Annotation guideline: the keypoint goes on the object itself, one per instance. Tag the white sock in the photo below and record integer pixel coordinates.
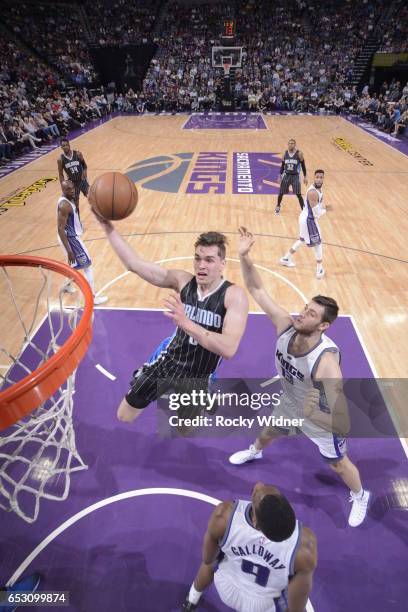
(89, 277)
(194, 595)
(359, 494)
(296, 245)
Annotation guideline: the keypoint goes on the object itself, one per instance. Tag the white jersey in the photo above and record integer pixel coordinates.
(313, 211)
(297, 372)
(309, 229)
(73, 226)
(255, 567)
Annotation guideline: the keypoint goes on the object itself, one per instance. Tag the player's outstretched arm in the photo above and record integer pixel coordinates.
(147, 270)
(226, 343)
(305, 564)
(279, 316)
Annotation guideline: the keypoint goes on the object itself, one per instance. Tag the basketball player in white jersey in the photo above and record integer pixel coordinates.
(69, 236)
(266, 557)
(308, 363)
(309, 230)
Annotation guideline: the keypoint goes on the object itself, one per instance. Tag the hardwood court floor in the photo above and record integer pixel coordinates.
(364, 235)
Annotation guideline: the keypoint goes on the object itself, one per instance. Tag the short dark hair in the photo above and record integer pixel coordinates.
(319, 170)
(64, 140)
(275, 517)
(331, 308)
(292, 140)
(213, 239)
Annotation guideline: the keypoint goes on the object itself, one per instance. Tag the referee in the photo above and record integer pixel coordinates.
(75, 168)
(292, 162)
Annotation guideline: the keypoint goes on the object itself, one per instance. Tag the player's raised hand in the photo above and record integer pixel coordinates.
(105, 223)
(246, 240)
(175, 309)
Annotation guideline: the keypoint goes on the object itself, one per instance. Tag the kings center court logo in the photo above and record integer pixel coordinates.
(209, 173)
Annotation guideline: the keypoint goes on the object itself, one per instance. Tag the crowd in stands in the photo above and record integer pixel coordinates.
(37, 106)
(181, 76)
(388, 110)
(56, 32)
(395, 36)
(120, 22)
(296, 57)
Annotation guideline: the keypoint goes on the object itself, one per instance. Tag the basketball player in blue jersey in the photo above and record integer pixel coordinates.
(210, 314)
(69, 236)
(308, 363)
(309, 229)
(73, 164)
(292, 162)
(266, 557)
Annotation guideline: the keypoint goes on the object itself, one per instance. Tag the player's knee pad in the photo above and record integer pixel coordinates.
(318, 251)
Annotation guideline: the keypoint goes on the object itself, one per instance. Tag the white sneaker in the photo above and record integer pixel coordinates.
(100, 299)
(358, 509)
(285, 261)
(249, 454)
(320, 273)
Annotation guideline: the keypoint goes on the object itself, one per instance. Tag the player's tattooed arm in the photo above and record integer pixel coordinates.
(305, 564)
(279, 316)
(216, 529)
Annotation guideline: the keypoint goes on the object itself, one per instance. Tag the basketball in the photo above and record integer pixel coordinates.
(113, 195)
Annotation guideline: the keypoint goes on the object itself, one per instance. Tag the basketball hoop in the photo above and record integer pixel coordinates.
(37, 438)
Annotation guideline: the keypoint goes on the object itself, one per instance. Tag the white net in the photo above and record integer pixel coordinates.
(38, 453)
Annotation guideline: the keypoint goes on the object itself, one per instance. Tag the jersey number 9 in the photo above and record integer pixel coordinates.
(260, 572)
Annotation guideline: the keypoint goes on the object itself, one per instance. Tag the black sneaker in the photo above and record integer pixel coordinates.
(277, 210)
(188, 606)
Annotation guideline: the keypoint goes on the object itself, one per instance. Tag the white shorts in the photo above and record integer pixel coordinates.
(309, 231)
(331, 446)
(240, 600)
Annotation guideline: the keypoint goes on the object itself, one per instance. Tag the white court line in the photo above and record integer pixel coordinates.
(181, 258)
(374, 370)
(266, 383)
(105, 372)
(185, 122)
(106, 502)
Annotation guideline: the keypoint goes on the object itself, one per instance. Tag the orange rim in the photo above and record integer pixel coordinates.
(24, 396)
